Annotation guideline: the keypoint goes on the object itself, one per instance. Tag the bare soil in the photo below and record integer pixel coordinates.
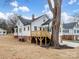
(11, 48)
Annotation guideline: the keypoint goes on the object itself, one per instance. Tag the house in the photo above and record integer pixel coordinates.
(47, 25)
(23, 28)
(70, 31)
(36, 24)
(3, 32)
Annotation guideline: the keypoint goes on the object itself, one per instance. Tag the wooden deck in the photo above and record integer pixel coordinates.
(41, 34)
(41, 37)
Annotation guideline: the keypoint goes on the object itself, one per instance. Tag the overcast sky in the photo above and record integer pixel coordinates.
(38, 7)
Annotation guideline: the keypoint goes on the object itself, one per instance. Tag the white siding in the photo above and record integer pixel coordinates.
(3, 32)
(38, 22)
(70, 32)
(26, 32)
(21, 30)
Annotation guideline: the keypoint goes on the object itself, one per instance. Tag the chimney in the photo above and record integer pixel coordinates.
(33, 17)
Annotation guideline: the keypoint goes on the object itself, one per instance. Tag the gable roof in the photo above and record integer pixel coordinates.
(40, 17)
(69, 25)
(25, 21)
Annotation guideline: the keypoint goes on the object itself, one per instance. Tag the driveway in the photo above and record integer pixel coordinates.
(70, 43)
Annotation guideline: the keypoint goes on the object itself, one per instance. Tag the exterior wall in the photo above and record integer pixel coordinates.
(22, 30)
(3, 32)
(38, 22)
(67, 33)
(15, 33)
(19, 25)
(26, 32)
(75, 30)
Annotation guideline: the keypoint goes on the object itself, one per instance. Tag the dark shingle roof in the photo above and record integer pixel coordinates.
(69, 25)
(40, 17)
(25, 21)
(47, 22)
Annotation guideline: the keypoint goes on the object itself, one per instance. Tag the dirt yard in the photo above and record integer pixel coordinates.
(11, 48)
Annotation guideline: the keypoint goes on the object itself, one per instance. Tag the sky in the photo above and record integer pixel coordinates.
(37, 7)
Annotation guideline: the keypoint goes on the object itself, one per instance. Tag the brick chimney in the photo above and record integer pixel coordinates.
(33, 17)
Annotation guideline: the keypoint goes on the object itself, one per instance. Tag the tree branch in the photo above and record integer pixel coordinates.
(50, 6)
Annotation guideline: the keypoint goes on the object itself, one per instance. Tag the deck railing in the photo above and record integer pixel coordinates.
(41, 34)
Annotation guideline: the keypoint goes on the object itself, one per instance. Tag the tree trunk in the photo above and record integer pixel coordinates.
(55, 22)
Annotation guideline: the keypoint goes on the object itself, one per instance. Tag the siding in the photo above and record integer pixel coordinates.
(38, 22)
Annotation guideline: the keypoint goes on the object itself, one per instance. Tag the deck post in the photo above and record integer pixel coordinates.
(45, 41)
(30, 39)
(40, 41)
(36, 40)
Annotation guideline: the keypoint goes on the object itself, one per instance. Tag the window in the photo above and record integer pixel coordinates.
(40, 28)
(24, 28)
(35, 27)
(28, 28)
(66, 31)
(20, 30)
(43, 29)
(77, 31)
(16, 30)
(74, 31)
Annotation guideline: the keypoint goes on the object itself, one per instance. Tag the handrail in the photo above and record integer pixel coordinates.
(41, 34)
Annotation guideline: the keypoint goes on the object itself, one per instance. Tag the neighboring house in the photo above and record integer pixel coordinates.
(70, 31)
(3, 32)
(22, 28)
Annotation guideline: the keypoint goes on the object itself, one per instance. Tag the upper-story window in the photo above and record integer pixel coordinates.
(77, 31)
(74, 31)
(28, 28)
(24, 28)
(35, 27)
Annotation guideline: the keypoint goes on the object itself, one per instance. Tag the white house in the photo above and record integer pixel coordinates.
(36, 24)
(70, 30)
(3, 32)
(22, 28)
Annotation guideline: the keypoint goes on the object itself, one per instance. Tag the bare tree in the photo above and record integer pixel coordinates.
(56, 13)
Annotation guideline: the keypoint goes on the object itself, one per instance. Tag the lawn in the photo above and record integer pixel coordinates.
(11, 48)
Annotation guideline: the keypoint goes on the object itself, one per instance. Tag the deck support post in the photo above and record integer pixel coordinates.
(40, 41)
(36, 40)
(30, 39)
(45, 41)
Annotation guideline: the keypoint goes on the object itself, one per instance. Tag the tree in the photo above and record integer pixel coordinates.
(56, 13)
